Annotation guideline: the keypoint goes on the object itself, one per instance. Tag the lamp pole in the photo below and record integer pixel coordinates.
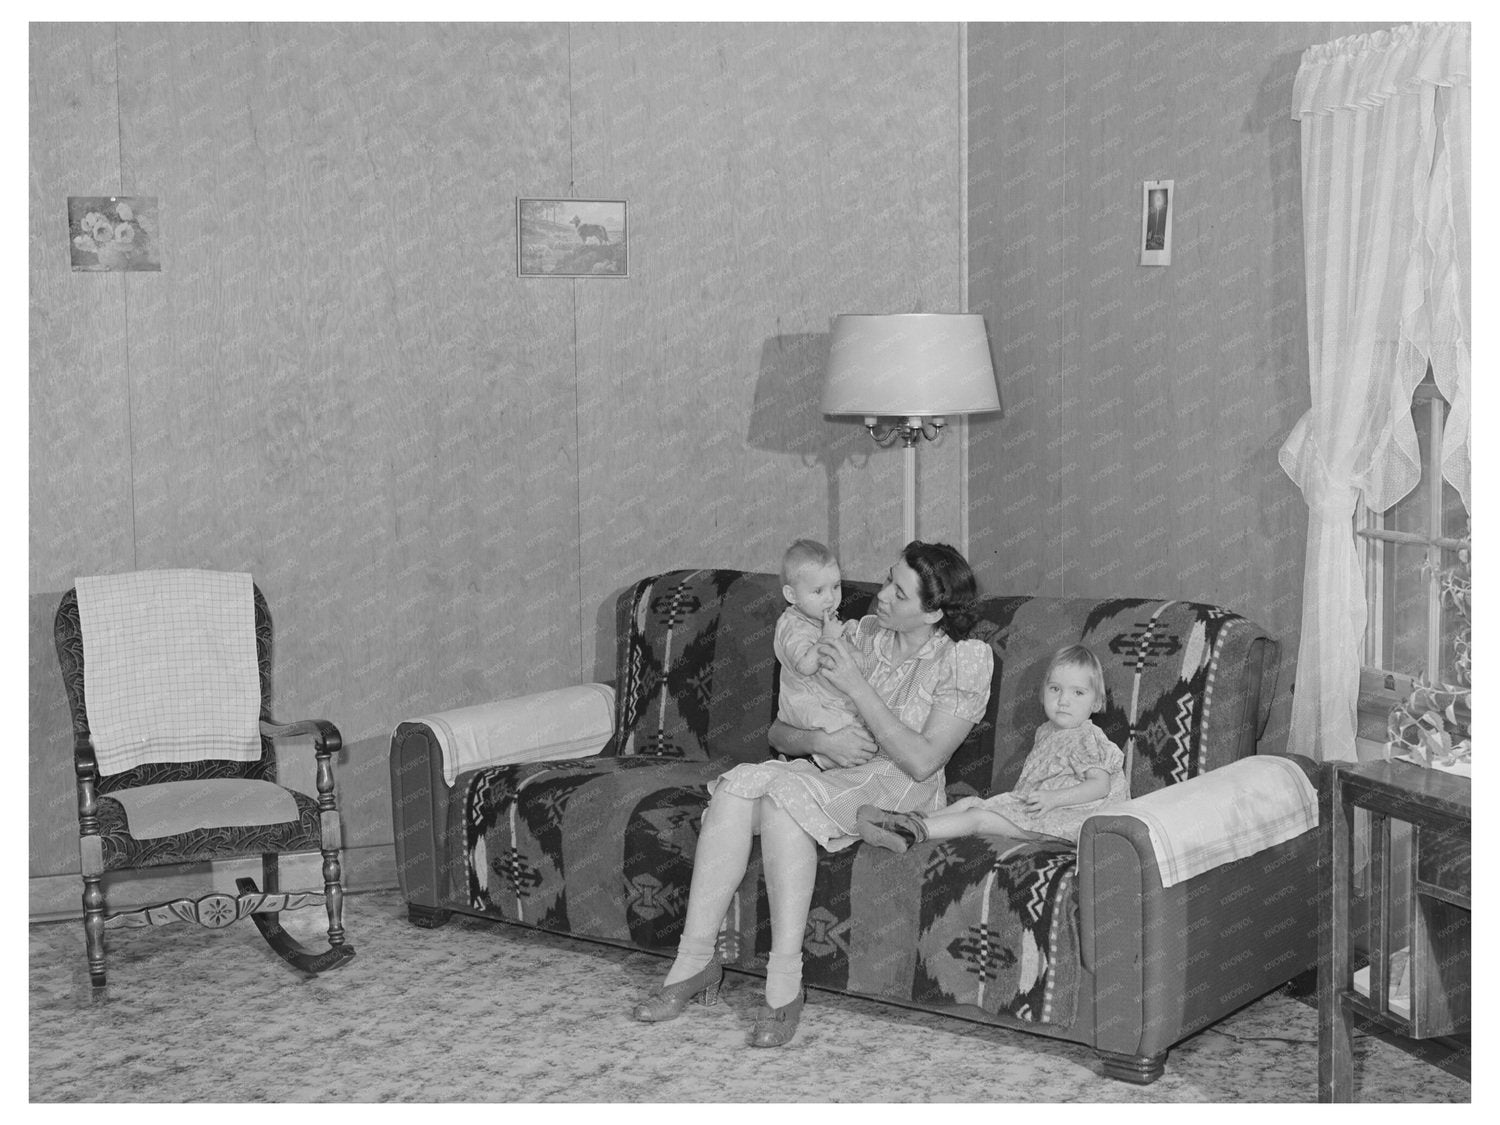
(909, 492)
(910, 430)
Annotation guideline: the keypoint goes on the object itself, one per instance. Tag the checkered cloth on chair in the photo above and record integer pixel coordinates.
(170, 670)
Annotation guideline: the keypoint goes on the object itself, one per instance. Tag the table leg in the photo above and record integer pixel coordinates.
(1335, 1030)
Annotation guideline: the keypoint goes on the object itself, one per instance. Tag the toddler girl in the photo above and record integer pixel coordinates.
(1071, 771)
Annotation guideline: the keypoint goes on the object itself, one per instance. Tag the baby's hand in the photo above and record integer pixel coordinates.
(822, 763)
(832, 626)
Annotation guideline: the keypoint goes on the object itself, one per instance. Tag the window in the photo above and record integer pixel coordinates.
(1414, 633)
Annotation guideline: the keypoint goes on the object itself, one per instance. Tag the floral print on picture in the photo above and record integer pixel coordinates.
(113, 233)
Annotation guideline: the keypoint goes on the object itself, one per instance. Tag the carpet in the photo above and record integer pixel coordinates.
(485, 1012)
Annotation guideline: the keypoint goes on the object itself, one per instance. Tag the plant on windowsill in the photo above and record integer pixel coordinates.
(1432, 724)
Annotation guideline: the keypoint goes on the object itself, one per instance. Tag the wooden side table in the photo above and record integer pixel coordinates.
(1437, 806)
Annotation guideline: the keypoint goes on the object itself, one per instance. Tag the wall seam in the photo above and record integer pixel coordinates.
(135, 560)
(584, 674)
(1062, 359)
(963, 270)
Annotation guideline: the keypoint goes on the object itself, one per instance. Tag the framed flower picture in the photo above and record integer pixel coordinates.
(572, 238)
(113, 233)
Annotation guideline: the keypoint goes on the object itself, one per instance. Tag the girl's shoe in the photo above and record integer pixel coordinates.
(667, 1001)
(894, 831)
(774, 1027)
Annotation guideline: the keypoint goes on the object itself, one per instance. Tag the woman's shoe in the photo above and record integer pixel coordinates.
(894, 831)
(775, 1027)
(667, 1001)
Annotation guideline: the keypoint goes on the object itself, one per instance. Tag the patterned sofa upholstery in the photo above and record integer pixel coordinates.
(1084, 945)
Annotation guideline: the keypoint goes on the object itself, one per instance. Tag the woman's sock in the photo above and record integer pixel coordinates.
(783, 978)
(692, 958)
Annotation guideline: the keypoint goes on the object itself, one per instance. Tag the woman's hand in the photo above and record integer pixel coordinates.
(851, 746)
(838, 666)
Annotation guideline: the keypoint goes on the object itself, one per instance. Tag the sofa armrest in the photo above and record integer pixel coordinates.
(566, 723)
(1229, 813)
(571, 722)
(1168, 961)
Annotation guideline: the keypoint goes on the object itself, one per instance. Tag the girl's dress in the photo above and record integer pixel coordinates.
(1058, 759)
(948, 675)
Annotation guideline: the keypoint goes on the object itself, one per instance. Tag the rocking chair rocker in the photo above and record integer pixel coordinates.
(171, 793)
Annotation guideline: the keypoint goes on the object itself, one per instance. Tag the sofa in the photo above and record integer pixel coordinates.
(576, 811)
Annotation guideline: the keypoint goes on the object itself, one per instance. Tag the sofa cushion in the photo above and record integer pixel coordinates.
(976, 921)
(698, 677)
(603, 848)
(1163, 697)
(697, 674)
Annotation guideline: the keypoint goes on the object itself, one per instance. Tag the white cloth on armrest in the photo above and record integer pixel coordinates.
(565, 723)
(1224, 815)
(169, 667)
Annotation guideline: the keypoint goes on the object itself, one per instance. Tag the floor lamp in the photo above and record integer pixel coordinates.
(915, 370)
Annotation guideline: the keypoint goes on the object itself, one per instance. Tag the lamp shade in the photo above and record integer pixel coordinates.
(909, 365)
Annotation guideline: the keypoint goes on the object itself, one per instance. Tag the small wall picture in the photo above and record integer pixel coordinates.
(113, 233)
(572, 238)
(1156, 222)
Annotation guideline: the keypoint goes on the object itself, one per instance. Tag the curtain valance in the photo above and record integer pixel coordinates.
(1364, 70)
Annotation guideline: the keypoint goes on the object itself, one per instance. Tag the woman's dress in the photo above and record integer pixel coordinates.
(948, 675)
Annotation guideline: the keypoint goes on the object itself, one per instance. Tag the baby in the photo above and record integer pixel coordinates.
(1071, 771)
(813, 587)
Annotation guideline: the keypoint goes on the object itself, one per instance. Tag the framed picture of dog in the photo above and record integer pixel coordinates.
(572, 238)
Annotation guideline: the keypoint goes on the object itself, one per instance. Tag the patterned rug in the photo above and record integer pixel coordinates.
(485, 1012)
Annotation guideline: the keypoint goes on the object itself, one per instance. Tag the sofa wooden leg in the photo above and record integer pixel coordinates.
(1142, 1070)
(427, 917)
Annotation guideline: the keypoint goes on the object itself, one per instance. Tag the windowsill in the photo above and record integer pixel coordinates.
(1379, 694)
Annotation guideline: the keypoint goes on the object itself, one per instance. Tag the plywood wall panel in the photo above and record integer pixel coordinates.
(1017, 240)
(80, 480)
(777, 176)
(80, 491)
(337, 382)
(1174, 386)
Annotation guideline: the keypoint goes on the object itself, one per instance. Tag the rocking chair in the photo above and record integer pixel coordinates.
(185, 779)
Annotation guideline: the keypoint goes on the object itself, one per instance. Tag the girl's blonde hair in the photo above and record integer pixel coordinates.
(1079, 656)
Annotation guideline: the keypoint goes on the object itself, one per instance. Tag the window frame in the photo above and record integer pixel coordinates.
(1382, 688)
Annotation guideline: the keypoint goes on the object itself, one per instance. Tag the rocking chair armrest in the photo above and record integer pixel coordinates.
(85, 764)
(328, 738)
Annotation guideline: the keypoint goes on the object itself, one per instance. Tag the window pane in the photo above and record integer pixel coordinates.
(1454, 623)
(1413, 512)
(1455, 516)
(1406, 594)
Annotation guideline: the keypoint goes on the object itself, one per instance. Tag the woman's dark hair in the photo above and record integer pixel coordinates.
(946, 582)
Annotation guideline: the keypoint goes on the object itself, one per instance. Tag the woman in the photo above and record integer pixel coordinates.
(927, 686)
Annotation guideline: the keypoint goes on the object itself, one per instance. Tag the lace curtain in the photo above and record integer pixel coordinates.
(1385, 199)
